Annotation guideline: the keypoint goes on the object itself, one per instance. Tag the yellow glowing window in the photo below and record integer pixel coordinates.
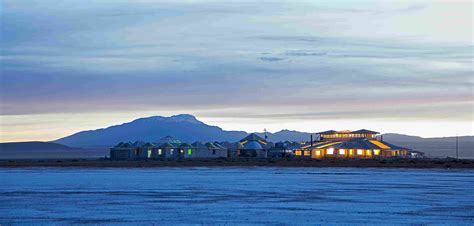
(318, 152)
(394, 153)
(379, 144)
(369, 153)
(359, 151)
(330, 151)
(351, 152)
(342, 151)
(376, 152)
(298, 153)
(307, 153)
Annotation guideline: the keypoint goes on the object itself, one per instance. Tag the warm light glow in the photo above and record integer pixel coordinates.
(379, 144)
(342, 151)
(307, 153)
(359, 151)
(298, 153)
(369, 153)
(351, 152)
(330, 151)
(376, 152)
(318, 153)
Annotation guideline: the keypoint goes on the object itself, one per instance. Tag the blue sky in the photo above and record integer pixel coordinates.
(392, 66)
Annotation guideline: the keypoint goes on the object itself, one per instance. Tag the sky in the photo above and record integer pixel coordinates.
(390, 66)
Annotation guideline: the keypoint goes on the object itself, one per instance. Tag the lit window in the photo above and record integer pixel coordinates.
(298, 153)
(376, 152)
(181, 151)
(307, 153)
(159, 151)
(318, 153)
(351, 152)
(359, 151)
(330, 151)
(342, 151)
(149, 153)
(190, 152)
(369, 153)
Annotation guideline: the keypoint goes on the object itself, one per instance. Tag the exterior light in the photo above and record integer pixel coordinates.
(330, 151)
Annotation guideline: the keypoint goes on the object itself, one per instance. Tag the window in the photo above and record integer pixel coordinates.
(330, 151)
(149, 153)
(318, 153)
(342, 151)
(159, 151)
(351, 152)
(181, 151)
(298, 153)
(376, 152)
(190, 152)
(171, 151)
(369, 153)
(213, 152)
(359, 151)
(307, 153)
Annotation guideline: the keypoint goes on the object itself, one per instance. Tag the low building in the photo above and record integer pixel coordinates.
(254, 146)
(348, 144)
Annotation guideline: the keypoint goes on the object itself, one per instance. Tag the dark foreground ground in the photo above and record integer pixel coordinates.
(385, 163)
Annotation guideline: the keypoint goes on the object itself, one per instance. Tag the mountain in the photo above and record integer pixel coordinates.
(46, 150)
(32, 146)
(289, 135)
(184, 127)
(188, 129)
(436, 147)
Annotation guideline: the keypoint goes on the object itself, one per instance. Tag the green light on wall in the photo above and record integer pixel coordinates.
(190, 152)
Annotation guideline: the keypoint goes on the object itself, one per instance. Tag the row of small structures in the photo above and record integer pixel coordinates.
(339, 144)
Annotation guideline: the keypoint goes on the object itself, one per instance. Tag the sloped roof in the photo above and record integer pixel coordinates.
(217, 144)
(199, 144)
(253, 145)
(138, 143)
(252, 137)
(148, 145)
(166, 145)
(186, 145)
(366, 131)
(327, 132)
(211, 146)
(168, 139)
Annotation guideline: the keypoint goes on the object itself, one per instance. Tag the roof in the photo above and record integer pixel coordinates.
(357, 143)
(327, 132)
(168, 139)
(252, 137)
(198, 144)
(365, 131)
(138, 144)
(253, 145)
(217, 144)
(211, 146)
(148, 145)
(186, 145)
(166, 145)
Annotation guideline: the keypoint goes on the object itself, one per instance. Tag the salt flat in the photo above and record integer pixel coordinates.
(239, 195)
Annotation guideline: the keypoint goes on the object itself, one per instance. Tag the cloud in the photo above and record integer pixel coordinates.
(271, 59)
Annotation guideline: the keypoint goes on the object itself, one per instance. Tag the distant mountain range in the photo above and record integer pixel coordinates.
(188, 129)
